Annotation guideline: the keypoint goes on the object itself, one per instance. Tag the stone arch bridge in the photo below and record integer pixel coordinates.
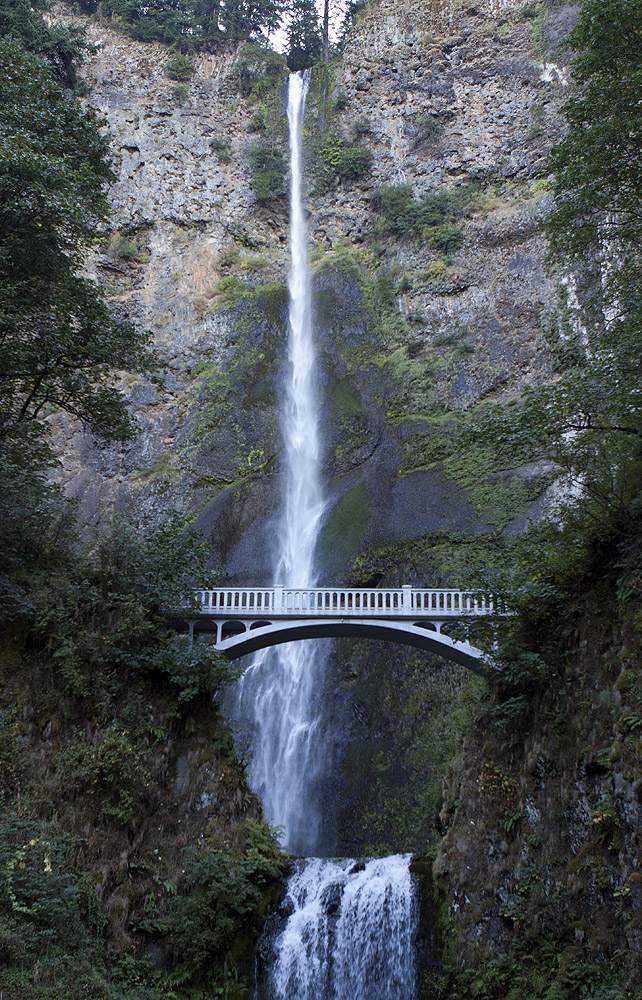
(245, 620)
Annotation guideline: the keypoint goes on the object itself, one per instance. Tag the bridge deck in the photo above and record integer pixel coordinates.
(280, 602)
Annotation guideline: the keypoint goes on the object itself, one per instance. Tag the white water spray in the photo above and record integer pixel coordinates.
(279, 693)
(351, 932)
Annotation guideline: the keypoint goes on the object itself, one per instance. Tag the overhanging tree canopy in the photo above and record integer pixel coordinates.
(590, 417)
(59, 344)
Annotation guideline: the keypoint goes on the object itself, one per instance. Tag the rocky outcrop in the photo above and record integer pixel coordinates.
(542, 816)
(446, 96)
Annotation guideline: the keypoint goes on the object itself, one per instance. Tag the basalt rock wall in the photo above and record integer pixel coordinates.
(447, 98)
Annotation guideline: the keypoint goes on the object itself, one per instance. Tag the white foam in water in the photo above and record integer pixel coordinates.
(351, 934)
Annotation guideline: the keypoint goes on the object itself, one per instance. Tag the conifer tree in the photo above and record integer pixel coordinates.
(304, 35)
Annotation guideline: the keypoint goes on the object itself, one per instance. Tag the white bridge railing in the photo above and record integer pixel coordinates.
(281, 602)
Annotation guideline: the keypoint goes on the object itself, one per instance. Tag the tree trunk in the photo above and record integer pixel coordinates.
(326, 31)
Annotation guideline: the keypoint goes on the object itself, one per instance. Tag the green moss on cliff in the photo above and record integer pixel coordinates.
(499, 496)
(543, 807)
(409, 712)
(233, 414)
(346, 524)
(133, 857)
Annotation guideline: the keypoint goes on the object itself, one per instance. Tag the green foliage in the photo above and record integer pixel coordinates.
(589, 420)
(258, 70)
(258, 122)
(180, 67)
(59, 47)
(434, 215)
(35, 521)
(111, 774)
(60, 343)
(222, 149)
(222, 896)
(38, 892)
(446, 237)
(303, 35)
(131, 248)
(268, 172)
(114, 609)
(190, 25)
(180, 94)
(547, 972)
(341, 101)
(101, 654)
(9, 751)
(349, 161)
(429, 129)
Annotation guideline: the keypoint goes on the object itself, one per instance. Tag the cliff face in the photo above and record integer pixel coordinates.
(416, 325)
(412, 331)
(415, 328)
(538, 871)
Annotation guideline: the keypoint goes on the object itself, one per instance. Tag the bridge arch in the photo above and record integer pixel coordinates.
(418, 636)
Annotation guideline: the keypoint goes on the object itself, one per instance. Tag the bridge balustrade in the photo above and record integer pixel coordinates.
(401, 602)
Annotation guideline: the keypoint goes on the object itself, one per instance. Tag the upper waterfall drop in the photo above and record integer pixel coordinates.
(279, 694)
(304, 505)
(351, 926)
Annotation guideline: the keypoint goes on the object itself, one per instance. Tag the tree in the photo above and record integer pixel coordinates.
(244, 18)
(304, 36)
(590, 417)
(61, 48)
(195, 24)
(338, 16)
(59, 344)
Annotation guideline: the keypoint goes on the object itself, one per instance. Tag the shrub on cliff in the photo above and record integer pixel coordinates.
(434, 214)
(268, 172)
(348, 161)
(180, 67)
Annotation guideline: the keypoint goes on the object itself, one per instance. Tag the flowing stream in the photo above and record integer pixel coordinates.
(347, 928)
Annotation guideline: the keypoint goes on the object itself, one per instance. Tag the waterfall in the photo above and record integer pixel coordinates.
(349, 934)
(279, 693)
(349, 926)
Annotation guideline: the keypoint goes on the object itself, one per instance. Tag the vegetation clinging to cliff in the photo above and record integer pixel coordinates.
(550, 780)
(60, 343)
(111, 742)
(590, 419)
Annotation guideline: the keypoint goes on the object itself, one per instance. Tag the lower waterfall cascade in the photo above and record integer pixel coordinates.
(347, 927)
(349, 934)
